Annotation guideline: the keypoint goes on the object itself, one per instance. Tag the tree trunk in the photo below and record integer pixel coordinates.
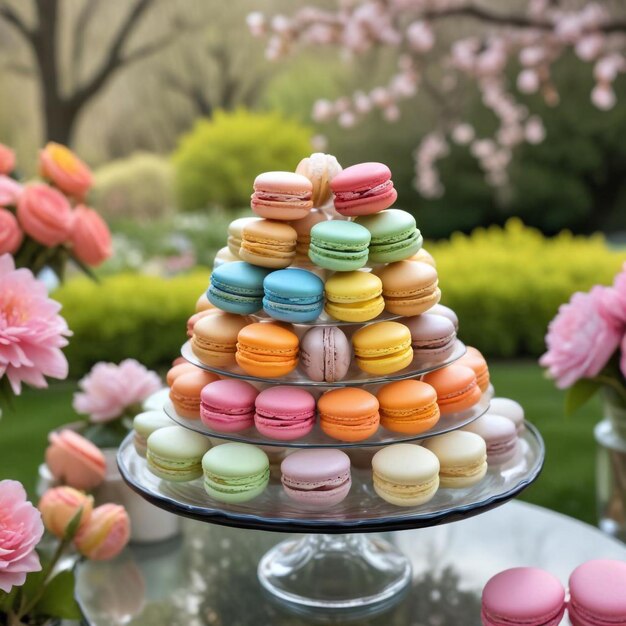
(59, 120)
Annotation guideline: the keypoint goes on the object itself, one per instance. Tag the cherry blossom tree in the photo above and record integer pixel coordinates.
(432, 63)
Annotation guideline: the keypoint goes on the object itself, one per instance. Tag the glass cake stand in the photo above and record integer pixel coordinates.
(336, 565)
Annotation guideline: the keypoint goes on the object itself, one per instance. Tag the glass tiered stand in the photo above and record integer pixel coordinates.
(335, 565)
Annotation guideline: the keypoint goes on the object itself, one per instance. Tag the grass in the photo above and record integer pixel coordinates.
(566, 485)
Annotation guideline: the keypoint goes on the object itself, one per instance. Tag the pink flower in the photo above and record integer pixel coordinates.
(7, 159)
(10, 233)
(91, 237)
(32, 332)
(109, 389)
(45, 214)
(10, 191)
(614, 300)
(581, 339)
(21, 529)
(60, 165)
(105, 534)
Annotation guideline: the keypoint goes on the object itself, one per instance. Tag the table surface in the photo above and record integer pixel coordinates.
(208, 575)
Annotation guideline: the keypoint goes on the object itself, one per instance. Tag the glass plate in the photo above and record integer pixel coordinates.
(318, 439)
(361, 511)
(326, 320)
(354, 376)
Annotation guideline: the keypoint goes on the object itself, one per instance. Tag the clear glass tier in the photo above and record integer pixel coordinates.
(318, 439)
(326, 320)
(361, 511)
(354, 377)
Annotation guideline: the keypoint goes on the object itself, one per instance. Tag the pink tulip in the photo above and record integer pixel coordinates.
(63, 168)
(10, 233)
(45, 214)
(581, 339)
(91, 237)
(20, 531)
(75, 461)
(60, 505)
(10, 191)
(106, 533)
(7, 159)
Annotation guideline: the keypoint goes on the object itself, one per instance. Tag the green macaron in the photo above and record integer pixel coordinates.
(235, 472)
(175, 453)
(394, 234)
(339, 245)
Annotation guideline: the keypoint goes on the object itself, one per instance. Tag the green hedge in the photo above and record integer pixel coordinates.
(504, 283)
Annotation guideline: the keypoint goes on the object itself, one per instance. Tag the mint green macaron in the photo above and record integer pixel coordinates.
(144, 425)
(175, 453)
(235, 472)
(339, 245)
(394, 234)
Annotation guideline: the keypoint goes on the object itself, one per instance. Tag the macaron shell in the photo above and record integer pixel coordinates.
(598, 593)
(383, 348)
(175, 453)
(348, 414)
(237, 287)
(368, 205)
(282, 196)
(475, 360)
(523, 595)
(267, 350)
(303, 229)
(456, 386)
(325, 354)
(284, 413)
(408, 406)
(339, 246)
(432, 336)
(500, 436)
(363, 189)
(185, 392)
(462, 457)
(268, 243)
(228, 405)
(405, 474)
(178, 370)
(409, 288)
(510, 409)
(293, 295)
(235, 230)
(444, 311)
(214, 339)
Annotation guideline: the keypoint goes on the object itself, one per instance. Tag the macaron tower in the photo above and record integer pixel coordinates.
(321, 334)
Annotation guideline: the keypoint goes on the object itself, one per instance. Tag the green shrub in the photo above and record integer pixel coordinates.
(219, 159)
(504, 283)
(128, 315)
(507, 283)
(139, 187)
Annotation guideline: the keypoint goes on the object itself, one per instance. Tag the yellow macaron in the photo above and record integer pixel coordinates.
(383, 348)
(354, 296)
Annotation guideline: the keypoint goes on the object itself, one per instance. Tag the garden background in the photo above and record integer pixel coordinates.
(176, 109)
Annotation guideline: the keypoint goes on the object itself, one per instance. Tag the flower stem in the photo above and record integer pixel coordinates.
(613, 383)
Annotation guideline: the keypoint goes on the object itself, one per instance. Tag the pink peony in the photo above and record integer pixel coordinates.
(11, 235)
(109, 389)
(10, 191)
(581, 339)
(32, 332)
(7, 159)
(21, 529)
(614, 300)
(45, 214)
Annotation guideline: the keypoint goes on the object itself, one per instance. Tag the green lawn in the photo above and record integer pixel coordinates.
(566, 485)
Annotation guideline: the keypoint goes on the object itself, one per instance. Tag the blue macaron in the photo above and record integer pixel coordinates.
(237, 287)
(293, 295)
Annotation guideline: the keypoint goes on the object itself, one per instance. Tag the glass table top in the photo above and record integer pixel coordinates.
(207, 576)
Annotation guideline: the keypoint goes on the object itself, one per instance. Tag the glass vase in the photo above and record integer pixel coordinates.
(610, 436)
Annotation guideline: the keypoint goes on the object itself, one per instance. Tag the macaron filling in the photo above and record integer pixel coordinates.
(393, 243)
(374, 354)
(187, 403)
(404, 491)
(329, 484)
(266, 247)
(338, 250)
(453, 396)
(498, 449)
(175, 468)
(272, 196)
(408, 414)
(233, 485)
(207, 345)
(367, 192)
(470, 470)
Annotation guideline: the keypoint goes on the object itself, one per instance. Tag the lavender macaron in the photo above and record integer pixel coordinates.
(510, 409)
(433, 336)
(325, 354)
(318, 477)
(500, 437)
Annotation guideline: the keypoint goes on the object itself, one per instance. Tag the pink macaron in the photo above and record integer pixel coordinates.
(523, 596)
(282, 196)
(433, 337)
(284, 413)
(598, 594)
(500, 437)
(363, 189)
(317, 476)
(227, 406)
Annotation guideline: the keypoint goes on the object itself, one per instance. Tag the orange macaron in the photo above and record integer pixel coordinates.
(408, 406)
(476, 361)
(178, 370)
(267, 350)
(214, 339)
(185, 392)
(456, 387)
(349, 414)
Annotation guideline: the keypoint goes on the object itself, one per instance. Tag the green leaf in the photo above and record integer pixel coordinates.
(72, 527)
(7, 599)
(57, 599)
(579, 394)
